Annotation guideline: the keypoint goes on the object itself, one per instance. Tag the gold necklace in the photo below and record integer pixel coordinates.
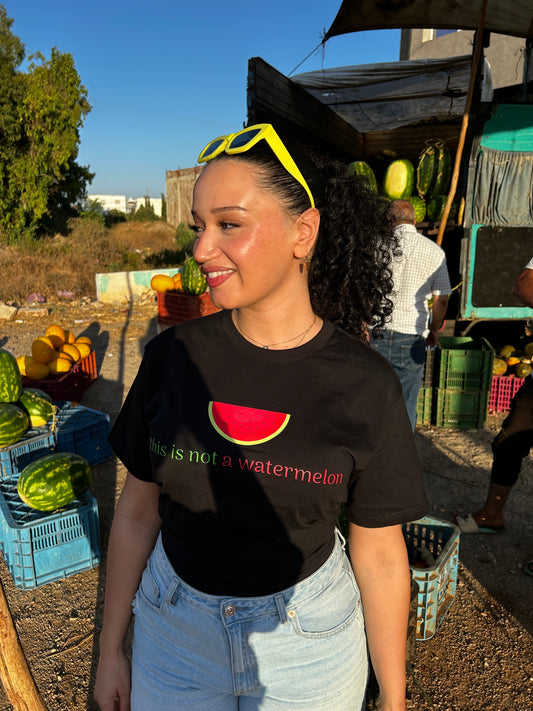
(266, 347)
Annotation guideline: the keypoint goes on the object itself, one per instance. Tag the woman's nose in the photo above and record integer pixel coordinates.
(204, 246)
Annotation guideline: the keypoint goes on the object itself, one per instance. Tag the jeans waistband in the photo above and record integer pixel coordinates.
(273, 603)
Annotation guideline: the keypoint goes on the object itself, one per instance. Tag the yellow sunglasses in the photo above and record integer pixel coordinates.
(247, 138)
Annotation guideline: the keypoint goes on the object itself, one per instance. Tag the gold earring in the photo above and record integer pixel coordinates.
(307, 261)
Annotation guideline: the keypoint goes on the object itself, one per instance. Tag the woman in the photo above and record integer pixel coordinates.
(243, 434)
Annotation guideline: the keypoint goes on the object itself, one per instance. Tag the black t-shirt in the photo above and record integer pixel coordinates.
(255, 450)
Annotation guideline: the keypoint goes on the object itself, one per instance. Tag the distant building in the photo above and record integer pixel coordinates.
(127, 205)
(110, 202)
(179, 187)
(504, 54)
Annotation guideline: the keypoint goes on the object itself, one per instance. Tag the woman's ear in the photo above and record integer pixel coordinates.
(307, 226)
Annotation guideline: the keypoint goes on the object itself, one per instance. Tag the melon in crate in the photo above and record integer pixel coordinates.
(53, 481)
(192, 280)
(399, 179)
(359, 167)
(14, 423)
(10, 379)
(419, 207)
(39, 406)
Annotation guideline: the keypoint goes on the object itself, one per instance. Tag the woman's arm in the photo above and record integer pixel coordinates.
(134, 531)
(381, 567)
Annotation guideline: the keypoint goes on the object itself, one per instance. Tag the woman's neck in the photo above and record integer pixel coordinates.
(275, 332)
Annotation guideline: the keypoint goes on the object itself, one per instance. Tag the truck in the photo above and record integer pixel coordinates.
(491, 240)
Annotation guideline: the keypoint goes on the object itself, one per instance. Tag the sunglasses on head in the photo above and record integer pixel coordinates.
(247, 138)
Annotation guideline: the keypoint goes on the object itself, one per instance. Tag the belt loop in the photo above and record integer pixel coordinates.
(282, 611)
(172, 592)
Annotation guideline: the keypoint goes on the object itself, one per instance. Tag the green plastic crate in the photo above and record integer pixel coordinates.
(424, 406)
(462, 409)
(463, 364)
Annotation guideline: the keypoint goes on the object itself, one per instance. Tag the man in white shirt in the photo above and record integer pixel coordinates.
(419, 274)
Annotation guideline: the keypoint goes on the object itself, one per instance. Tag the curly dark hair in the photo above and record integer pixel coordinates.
(349, 276)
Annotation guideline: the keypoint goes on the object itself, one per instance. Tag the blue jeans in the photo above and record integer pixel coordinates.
(407, 353)
(302, 648)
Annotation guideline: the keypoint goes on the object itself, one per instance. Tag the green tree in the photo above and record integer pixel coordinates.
(163, 207)
(144, 213)
(41, 112)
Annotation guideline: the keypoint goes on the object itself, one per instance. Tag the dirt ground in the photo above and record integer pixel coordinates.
(481, 657)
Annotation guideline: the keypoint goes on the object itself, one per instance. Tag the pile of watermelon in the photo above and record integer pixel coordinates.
(54, 480)
(425, 186)
(513, 361)
(20, 408)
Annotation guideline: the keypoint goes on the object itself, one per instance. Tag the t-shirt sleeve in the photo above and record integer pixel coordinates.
(387, 487)
(441, 280)
(129, 436)
(529, 265)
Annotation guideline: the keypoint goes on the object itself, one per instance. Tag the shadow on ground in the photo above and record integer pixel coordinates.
(456, 467)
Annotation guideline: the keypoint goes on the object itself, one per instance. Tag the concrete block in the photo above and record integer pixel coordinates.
(7, 312)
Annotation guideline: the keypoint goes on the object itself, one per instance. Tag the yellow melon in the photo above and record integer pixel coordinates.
(69, 336)
(162, 283)
(42, 349)
(37, 371)
(71, 350)
(56, 334)
(61, 364)
(22, 362)
(83, 348)
(83, 339)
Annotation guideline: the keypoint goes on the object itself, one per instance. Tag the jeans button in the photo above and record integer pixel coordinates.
(230, 610)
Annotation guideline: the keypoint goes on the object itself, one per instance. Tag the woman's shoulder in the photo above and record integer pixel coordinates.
(369, 363)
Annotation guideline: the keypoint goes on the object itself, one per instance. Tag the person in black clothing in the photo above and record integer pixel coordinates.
(244, 433)
(511, 445)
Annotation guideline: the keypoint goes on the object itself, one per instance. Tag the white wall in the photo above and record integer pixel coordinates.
(110, 202)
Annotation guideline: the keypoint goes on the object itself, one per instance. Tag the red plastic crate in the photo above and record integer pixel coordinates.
(67, 386)
(503, 389)
(88, 370)
(174, 307)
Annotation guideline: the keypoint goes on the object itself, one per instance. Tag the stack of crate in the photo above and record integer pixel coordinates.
(460, 372)
(40, 547)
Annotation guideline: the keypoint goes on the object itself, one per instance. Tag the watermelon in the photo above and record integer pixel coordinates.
(443, 171)
(499, 366)
(246, 425)
(192, 280)
(420, 207)
(14, 423)
(436, 208)
(426, 170)
(359, 167)
(54, 480)
(10, 378)
(399, 179)
(39, 406)
(522, 370)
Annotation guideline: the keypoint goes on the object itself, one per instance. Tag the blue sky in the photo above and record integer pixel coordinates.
(163, 77)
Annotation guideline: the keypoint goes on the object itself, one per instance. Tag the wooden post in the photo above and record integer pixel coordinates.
(466, 115)
(14, 671)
